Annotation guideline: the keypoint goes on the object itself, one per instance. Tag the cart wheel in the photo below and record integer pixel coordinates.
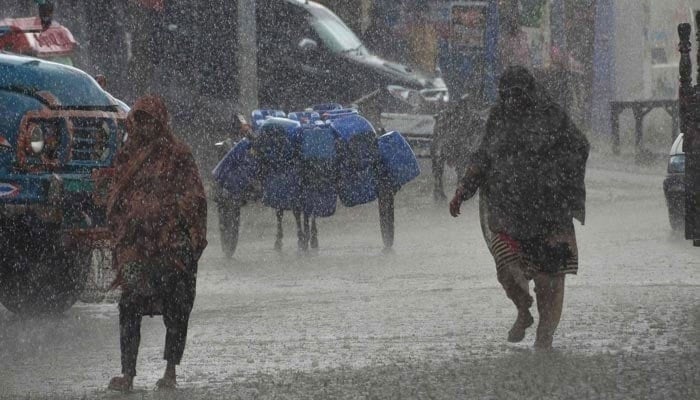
(229, 225)
(386, 214)
(437, 161)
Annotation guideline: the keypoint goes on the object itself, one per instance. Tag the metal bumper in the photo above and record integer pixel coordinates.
(674, 186)
(72, 203)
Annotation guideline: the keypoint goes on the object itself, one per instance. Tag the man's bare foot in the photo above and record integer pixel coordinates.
(524, 321)
(166, 383)
(543, 344)
(169, 379)
(121, 383)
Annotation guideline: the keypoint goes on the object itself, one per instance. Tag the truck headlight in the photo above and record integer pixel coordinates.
(676, 164)
(433, 95)
(37, 140)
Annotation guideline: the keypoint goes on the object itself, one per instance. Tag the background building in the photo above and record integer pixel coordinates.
(203, 53)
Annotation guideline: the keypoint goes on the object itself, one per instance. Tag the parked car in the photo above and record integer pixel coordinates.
(59, 133)
(308, 55)
(674, 185)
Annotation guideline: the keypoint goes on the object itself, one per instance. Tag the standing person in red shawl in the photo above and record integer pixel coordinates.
(157, 213)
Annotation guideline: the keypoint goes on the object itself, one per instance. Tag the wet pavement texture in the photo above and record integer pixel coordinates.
(426, 321)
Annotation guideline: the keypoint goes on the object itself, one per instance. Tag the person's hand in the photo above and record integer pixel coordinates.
(456, 203)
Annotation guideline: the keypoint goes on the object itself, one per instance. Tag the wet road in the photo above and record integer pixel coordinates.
(428, 321)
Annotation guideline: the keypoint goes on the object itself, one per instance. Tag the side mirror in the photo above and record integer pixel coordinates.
(307, 45)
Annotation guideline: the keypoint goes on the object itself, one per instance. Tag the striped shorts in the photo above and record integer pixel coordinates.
(510, 253)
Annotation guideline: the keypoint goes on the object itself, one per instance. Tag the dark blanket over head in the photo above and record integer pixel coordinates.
(530, 164)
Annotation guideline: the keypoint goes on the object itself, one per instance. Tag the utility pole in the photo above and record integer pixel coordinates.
(247, 57)
(603, 66)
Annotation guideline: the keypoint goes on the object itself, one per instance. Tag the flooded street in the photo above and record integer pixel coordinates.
(427, 321)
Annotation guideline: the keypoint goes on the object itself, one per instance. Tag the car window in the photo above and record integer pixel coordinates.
(281, 27)
(71, 87)
(335, 34)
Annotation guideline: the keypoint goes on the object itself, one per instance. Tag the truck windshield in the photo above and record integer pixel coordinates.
(334, 33)
(65, 60)
(71, 87)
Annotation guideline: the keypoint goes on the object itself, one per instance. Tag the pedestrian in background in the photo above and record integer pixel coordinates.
(529, 169)
(157, 213)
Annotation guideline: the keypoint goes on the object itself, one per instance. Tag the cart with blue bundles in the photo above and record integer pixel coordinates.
(305, 161)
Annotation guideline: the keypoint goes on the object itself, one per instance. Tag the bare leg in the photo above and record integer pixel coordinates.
(314, 233)
(549, 290)
(510, 276)
(280, 234)
(517, 289)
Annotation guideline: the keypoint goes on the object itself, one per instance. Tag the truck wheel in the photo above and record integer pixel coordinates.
(229, 225)
(39, 276)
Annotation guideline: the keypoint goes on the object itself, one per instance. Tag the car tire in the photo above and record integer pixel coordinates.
(676, 217)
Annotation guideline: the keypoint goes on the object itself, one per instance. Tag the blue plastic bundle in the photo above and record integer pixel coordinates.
(326, 107)
(258, 117)
(318, 158)
(398, 159)
(305, 117)
(337, 114)
(358, 160)
(277, 146)
(237, 170)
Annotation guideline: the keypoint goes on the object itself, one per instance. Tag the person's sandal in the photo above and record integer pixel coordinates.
(524, 321)
(166, 384)
(121, 384)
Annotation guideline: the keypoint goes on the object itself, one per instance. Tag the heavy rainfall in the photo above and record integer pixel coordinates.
(334, 199)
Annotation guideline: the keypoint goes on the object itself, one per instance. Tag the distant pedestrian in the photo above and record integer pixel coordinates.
(529, 169)
(157, 213)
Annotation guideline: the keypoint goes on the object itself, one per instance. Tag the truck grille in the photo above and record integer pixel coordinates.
(93, 140)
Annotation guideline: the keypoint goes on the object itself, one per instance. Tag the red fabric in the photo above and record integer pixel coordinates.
(157, 5)
(156, 205)
(513, 245)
